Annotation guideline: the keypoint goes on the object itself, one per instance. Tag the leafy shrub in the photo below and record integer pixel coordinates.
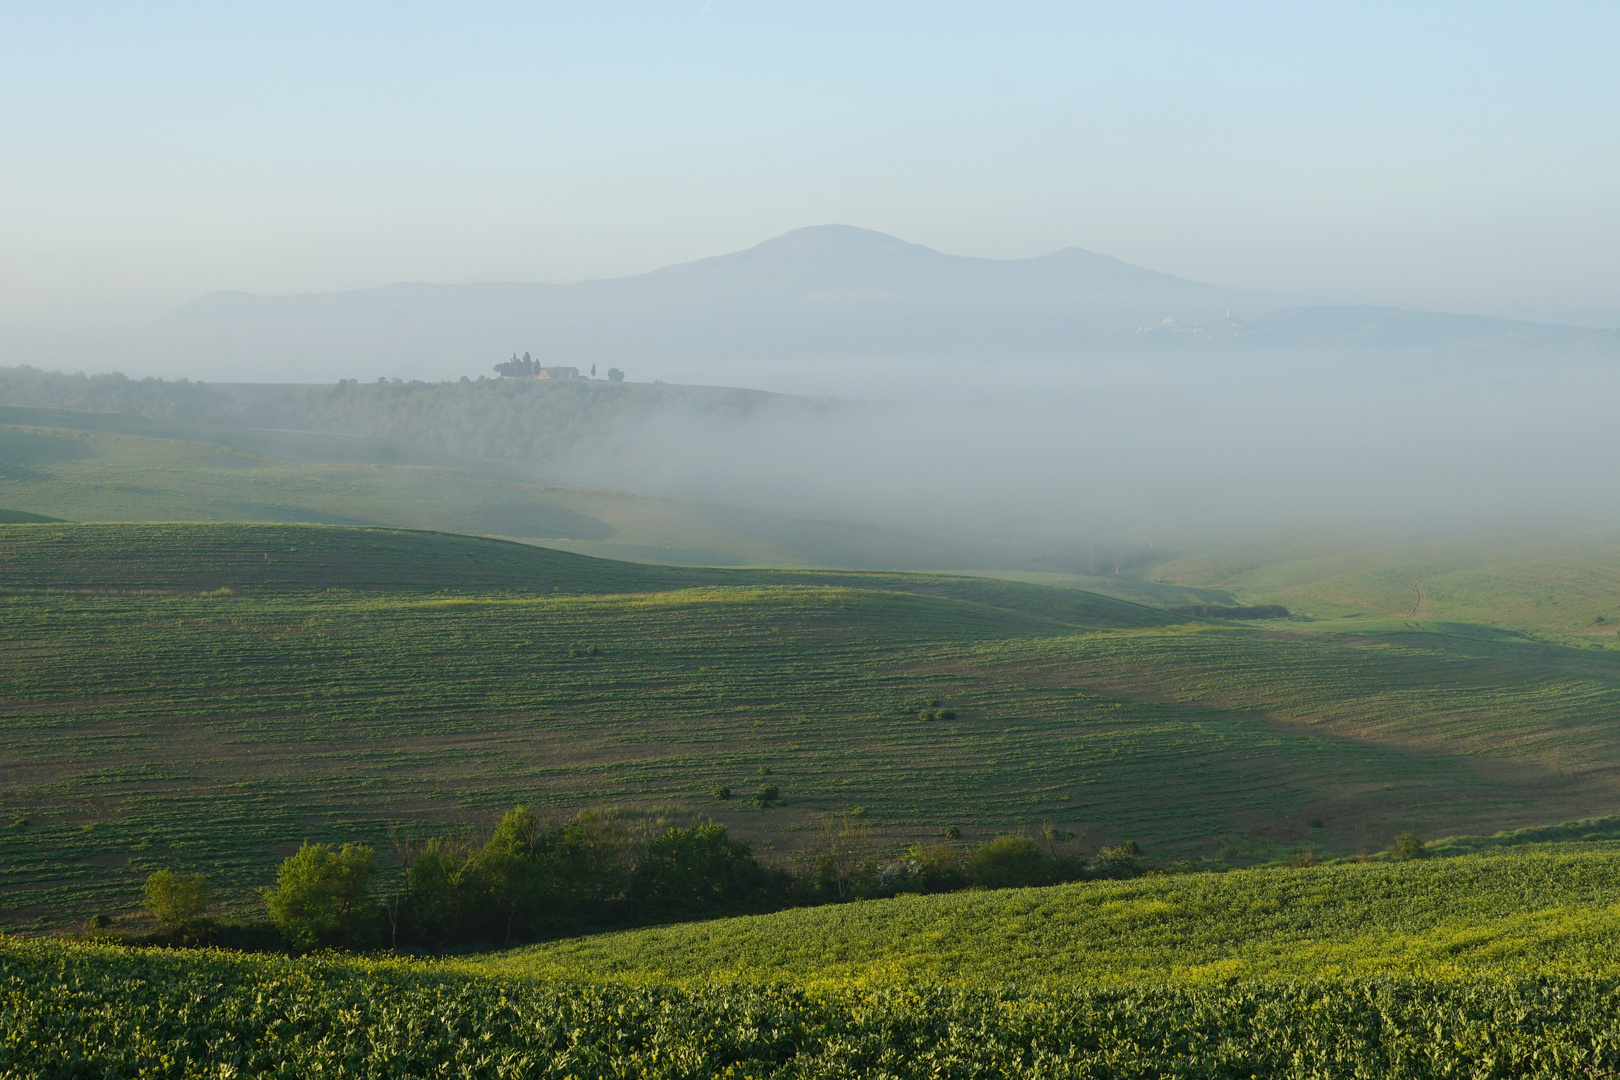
(720, 793)
(1117, 862)
(530, 880)
(1407, 846)
(939, 866)
(175, 900)
(323, 896)
(1008, 862)
(700, 870)
(900, 876)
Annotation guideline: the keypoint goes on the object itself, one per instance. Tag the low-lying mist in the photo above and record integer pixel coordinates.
(1037, 456)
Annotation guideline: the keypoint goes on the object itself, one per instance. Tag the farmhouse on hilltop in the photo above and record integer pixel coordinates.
(529, 368)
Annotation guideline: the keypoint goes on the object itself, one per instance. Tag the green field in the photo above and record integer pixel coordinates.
(207, 696)
(88, 466)
(274, 637)
(1564, 584)
(1537, 911)
(1480, 966)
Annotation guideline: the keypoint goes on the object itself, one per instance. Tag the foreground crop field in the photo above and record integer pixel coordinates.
(1499, 966)
(1544, 910)
(205, 697)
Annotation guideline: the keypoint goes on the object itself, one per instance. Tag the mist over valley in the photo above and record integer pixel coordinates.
(790, 541)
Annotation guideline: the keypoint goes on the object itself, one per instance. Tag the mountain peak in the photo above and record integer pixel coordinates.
(833, 238)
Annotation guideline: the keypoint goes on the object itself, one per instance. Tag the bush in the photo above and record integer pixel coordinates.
(175, 900)
(1117, 862)
(1407, 846)
(939, 867)
(700, 870)
(720, 793)
(1008, 862)
(900, 876)
(323, 897)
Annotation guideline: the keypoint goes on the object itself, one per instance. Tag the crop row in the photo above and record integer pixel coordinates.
(216, 733)
(85, 1010)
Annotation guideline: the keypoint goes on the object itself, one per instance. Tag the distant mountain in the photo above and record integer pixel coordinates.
(832, 289)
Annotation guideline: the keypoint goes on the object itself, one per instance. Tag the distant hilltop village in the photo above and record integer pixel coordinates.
(526, 367)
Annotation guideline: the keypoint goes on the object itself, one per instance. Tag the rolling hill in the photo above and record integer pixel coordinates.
(208, 695)
(80, 465)
(1549, 908)
(1499, 967)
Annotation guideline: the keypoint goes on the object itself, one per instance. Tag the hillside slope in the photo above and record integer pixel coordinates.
(193, 557)
(184, 695)
(106, 467)
(1555, 908)
(1564, 583)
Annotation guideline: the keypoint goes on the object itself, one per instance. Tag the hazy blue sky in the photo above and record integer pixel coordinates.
(1451, 155)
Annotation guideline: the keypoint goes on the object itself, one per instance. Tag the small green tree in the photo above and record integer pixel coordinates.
(1117, 862)
(615, 375)
(688, 871)
(175, 900)
(1009, 862)
(323, 896)
(1407, 846)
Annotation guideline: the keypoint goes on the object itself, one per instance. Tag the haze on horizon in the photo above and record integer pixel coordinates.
(1444, 156)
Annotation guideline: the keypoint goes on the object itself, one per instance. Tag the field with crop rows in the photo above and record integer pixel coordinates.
(251, 1017)
(1539, 911)
(205, 697)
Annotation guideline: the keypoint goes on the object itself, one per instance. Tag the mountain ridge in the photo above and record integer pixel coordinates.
(820, 290)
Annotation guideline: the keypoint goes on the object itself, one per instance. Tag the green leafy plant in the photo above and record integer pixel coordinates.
(175, 900)
(323, 896)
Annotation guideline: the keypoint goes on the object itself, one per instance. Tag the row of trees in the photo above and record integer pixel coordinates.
(156, 399)
(526, 366)
(531, 879)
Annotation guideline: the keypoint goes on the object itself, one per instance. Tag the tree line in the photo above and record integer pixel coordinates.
(527, 420)
(531, 880)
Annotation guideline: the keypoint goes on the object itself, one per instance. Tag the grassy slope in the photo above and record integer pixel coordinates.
(356, 677)
(1565, 584)
(1549, 909)
(107, 467)
(95, 1010)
